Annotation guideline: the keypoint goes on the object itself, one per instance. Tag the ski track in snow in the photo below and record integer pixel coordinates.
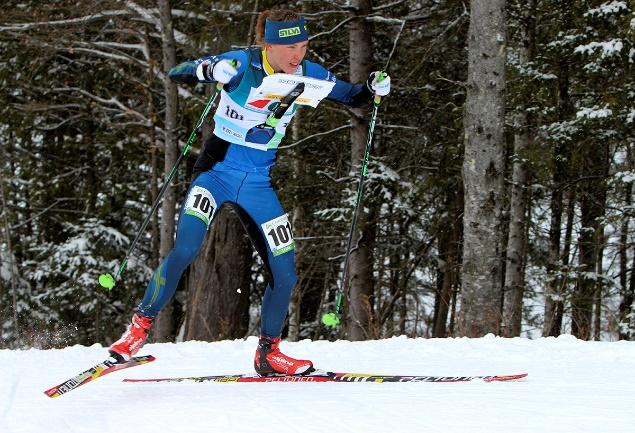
(572, 387)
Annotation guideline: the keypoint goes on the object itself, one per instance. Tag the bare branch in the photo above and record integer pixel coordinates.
(123, 109)
(389, 5)
(35, 107)
(380, 125)
(80, 20)
(316, 135)
(383, 20)
(333, 29)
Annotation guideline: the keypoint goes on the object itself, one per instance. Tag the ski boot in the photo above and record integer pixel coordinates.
(132, 340)
(270, 361)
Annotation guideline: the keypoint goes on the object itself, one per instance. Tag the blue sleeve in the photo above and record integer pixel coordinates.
(353, 95)
(185, 72)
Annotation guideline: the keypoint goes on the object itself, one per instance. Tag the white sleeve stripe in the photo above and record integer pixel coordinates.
(199, 72)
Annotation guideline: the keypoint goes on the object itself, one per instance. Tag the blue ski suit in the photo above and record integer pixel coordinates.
(233, 170)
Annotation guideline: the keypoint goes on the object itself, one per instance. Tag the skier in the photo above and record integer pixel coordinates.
(234, 168)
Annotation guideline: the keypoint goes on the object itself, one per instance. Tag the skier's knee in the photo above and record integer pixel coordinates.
(184, 254)
(286, 282)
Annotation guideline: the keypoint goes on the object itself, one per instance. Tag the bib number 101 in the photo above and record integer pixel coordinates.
(201, 204)
(279, 235)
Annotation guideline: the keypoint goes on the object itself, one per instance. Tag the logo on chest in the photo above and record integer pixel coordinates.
(233, 114)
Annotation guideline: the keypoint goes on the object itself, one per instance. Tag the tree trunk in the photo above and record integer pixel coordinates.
(592, 208)
(627, 304)
(449, 255)
(483, 170)
(361, 259)
(554, 296)
(565, 259)
(155, 237)
(219, 279)
(12, 266)
(298, 229)
(627, 291)
(520, 197)
(517, 240)
(597, 310)
(164, 328)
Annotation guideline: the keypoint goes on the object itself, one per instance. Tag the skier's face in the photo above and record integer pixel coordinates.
(286, 58)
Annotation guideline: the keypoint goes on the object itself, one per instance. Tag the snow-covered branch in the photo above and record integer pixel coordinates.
(149, 15)
(80, 20)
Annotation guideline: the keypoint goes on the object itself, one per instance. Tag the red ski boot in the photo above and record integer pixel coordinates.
(132, 340)
(269, 360)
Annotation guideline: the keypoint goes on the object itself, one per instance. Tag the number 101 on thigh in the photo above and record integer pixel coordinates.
(279, 235)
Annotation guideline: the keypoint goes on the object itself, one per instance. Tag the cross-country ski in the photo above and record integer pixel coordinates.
(103, 368)
(327, 376)
(374, 215)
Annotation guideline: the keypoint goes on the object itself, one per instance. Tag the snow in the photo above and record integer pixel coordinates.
(606, 48)
(5, 265)
(594, 113)
(625, 176)
(573, 386)
(608, 8)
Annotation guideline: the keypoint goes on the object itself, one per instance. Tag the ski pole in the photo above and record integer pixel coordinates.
(107, 280)
(332, 319)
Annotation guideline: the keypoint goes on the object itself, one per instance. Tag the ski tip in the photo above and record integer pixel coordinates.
(508, 377)
(53, 392)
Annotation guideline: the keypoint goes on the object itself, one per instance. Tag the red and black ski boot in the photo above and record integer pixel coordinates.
(270, 361)
(132, 340)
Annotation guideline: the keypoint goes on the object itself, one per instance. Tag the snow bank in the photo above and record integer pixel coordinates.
(573, 386)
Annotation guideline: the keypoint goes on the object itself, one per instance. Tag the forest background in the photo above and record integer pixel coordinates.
(499, 195)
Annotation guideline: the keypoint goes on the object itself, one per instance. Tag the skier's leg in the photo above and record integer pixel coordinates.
(280, 268)
(205, 196)
(270, 231)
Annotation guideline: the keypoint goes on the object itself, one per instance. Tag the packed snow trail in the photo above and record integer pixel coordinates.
(573, 386)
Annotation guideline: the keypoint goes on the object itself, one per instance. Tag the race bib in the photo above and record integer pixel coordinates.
(200, 204)
(279, 235)
(277, 86)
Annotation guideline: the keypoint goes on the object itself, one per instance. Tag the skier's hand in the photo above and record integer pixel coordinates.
(379, 83)
(222, 71)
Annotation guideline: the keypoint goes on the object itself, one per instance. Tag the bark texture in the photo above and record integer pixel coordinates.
(520, 198)
(361, 260)
(558, 257)
(165, 327)
(483, 170)
(449, 263)
(219, 281)
(592, 209)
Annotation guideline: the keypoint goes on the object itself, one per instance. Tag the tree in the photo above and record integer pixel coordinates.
(361, 259)
(483, 170)
(219, 279)
(516, 251)
(164, 329)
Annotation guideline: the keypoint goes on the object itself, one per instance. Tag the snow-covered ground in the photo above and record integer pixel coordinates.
(573, 386)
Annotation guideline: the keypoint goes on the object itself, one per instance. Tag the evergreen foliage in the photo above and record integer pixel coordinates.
(81, 116)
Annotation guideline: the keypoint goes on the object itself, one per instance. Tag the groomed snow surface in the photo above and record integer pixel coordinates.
(573, 386)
